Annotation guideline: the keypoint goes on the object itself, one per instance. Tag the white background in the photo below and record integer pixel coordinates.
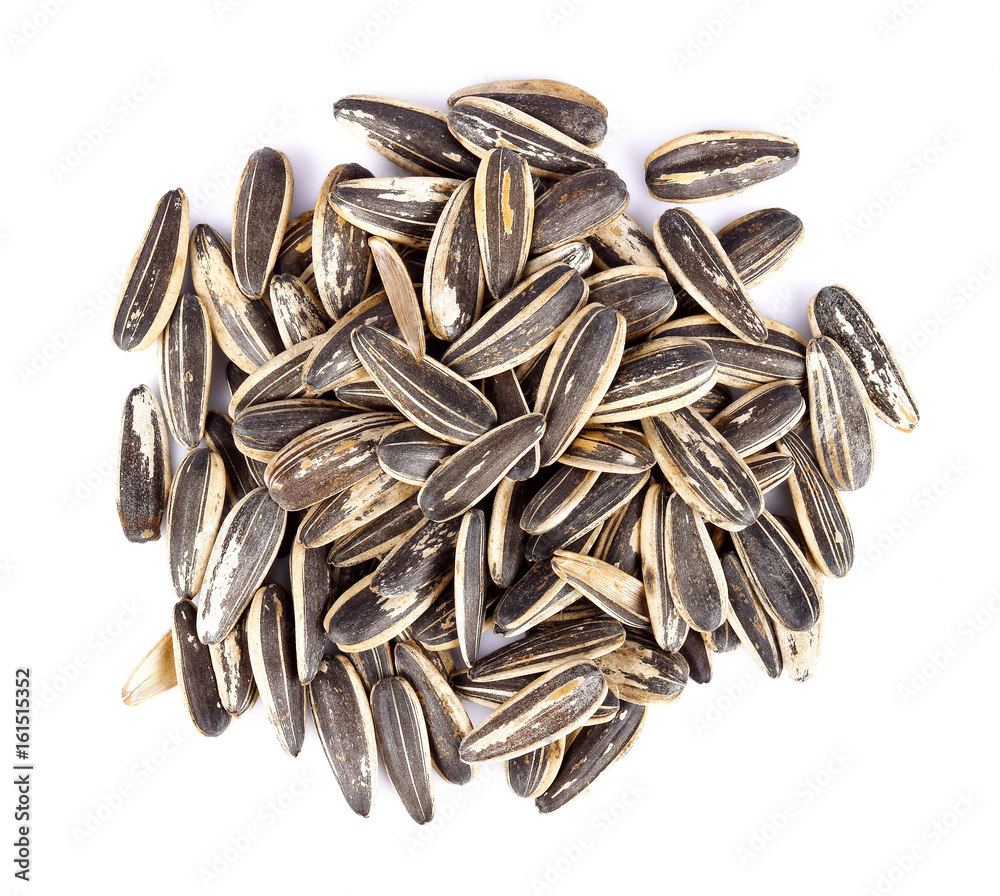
(744, 785)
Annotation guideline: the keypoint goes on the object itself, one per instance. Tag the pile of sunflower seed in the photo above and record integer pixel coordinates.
(480, 396)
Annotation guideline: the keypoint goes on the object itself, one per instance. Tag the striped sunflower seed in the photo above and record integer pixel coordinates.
(401, 294)
(710, 164)
(761, 242)
(151, 284)
(577, 206)
(275, 380)
(618, 594)
(641, 294)
(426, 554)
(555, 500)
(376, 537)
(411, 455)
(298, 314)
(619, 539)
(607, 449)
(694, 574)
(800, 651)
(698, 657)
(770, 469)
(669, 627)
(506, 539)
(623, 241)
(185, 361)
(724, 638)
(143, 473)
(295, 254)
(233, 670)
(262, 430)
(241, 473)
(503, 391)
(748, 619)
(153, 674)
(529, 776)
(504, 210)
(373, 664)
(760, 417)
(195, 675)
(640, 671)
(470, 584)
(364, 394)
(576, 254)
(312, 594)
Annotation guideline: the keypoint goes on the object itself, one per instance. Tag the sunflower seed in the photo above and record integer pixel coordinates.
(373, 664)
(262, 430)
(504, 210)
(842, 427)
(470, 583)
(747, 618)
(195, 675)
(241, 478)
(506, 539)
(724, 638)
(640, 671)
(402, 739)
(143, 466)
(185, 362)
(343, 719)
(709, 164)
(577, 206)
(760, 417)
(544, 711)
(295, 254)
(490, 694)
(577, 254)
(400, 209)
(194, 512)
(618, 594)
(593, 751)
(693, 570)
(529, 775)
(298, 314)
(409, 454)
(713, 401)
(153, 674)
(377, 537)
(426, 554)
(446, 718)
(761, 242)
(327, 459)
(641, 294)
(555, 500)
(778, 572)
(244, 328)
(819, 510)
(623, 241)
(836, 313)
(312, 593)
(436, 628)
(656, 376)
(566, 108)
(669, 627)
(152, 283)
(503, 391)
(454, 280)
(235, 377)
(243, 552)
(364, 394)
(800, 651)
(275, 380)
(608, 450)
(426, 392)
(468, 475)
(770, 469)
(696, 653)
(483, 124)
(263, 198)
(233, 670)
(692, 253)
(401, 294)
(619, 539)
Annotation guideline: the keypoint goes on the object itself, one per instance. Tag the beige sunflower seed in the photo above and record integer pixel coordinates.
(623, 241)
(470, 584)
(521, 326)
(472, 472)
(143, 473)
(243, 552)
(185, 362)
(152, 282)
(377, 537)
(505, 540)
(402, 739)
(557, 498)
(344, 723)
(446, 718)
(275, 380)
(760, 417)
(709, 164)
(244, 328)
(640, 671)
(704, 469)
(529, 775)
(312, 594)
(669, 626)
(692, 253)
(426, 554)
(566, 108)
(577, 206)
(656, 376)
(770, 469)
(453, 274)
(694, 573)
(546, 710)
(748, 619)
(333, 362)
(262, 430)
(373, 664)
(426, 392)
(779, 573)
(581, 365)
(641, 294)
(842, 427)
(342, 261)
(593, 751)
(400, 209)
(194, 512)
(819, 510)
(298, 314)
(153, 674)
(577, 254)
(241, 477)
(504, 209)
(836, 313)
(263, 199)
(761, 242)
(327, 459)
(742, 365)
(415, 137)
(411, 455)
(608, 449)
(401, 294)
(618, 594)
(195, 675)
(800, 651)
(295, 254)
(233, 671)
